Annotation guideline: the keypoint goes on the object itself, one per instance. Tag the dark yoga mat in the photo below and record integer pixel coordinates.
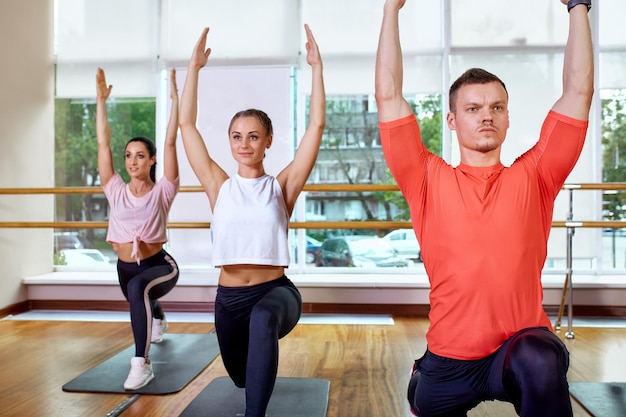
(177, 360)
(600, 399)
(292, 397)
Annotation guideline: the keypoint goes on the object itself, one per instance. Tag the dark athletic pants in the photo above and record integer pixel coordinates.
(528, 370)
(248, 322)
(142, 286)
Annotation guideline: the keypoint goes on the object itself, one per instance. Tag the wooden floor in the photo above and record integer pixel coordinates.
(368, 366)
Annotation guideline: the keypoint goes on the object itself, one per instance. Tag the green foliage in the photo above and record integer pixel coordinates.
(428, 112)
(317, 234)
(614, 155)
(59, 259)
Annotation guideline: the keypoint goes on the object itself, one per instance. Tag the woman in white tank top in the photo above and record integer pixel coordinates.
(256, 304)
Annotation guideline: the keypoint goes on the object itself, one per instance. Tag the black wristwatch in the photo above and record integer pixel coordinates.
(572, 3)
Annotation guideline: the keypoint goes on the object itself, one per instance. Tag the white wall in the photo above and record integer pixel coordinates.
(26, 140)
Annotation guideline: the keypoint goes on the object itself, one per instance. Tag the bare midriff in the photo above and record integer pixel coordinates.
(248, 275)
(145, 250)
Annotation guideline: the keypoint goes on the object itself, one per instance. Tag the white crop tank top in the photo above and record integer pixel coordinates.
(250, 223)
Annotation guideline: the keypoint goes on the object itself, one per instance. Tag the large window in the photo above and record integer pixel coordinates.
(440, 39)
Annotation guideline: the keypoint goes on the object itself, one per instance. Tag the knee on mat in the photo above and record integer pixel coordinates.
(236, 372)
(239, 382)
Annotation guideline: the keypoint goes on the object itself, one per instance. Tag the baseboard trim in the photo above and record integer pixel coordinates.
(418, 310)
(13, 309)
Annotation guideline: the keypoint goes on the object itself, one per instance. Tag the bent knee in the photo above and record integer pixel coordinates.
(264, 316)
(538, 353)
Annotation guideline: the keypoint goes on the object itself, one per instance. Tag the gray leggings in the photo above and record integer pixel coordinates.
(142, 286)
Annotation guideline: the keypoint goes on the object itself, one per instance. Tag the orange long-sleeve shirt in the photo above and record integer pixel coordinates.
(483, 232)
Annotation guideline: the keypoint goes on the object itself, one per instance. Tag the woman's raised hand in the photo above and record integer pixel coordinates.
(103, 90)
(201, 53)
(312, 52)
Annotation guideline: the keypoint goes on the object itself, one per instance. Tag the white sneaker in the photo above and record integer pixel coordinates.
(159, 326)
(140, 374)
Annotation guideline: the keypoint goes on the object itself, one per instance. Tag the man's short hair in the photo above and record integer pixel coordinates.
(472, 76)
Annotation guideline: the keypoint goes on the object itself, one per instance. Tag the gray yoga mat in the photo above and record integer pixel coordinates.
(600, 399)
(176, 361)
(292, 397)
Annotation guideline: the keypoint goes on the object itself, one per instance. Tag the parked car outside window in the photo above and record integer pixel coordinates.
(405, 243)
(358, 251)
(312, 247)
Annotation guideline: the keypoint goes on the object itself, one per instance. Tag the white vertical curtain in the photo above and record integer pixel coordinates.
(134, 40)
(118, 35)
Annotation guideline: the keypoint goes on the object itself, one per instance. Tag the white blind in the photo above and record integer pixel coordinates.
(241, 31)
(507, 23)
(134, 40)
(118, 35)
(611, 28)
(347, 32)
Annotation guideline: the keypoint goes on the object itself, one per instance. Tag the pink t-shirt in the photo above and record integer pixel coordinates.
(134, 219)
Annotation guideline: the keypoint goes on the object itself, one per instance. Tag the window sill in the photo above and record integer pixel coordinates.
(326, 277)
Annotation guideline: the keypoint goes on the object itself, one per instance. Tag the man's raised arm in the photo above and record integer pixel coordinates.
(577, 64)
(391, 104)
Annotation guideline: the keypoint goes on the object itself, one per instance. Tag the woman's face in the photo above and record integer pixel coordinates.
(138, 160)
(248, 141)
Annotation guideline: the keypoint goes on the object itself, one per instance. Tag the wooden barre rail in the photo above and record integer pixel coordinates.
(606, 186)
(199, 189)
(293, 225)
(206, 225)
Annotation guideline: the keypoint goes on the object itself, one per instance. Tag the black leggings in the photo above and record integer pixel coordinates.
(248, 322)
(528, 370)
(143, 284)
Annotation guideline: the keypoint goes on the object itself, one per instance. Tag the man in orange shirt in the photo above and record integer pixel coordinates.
(483, 230)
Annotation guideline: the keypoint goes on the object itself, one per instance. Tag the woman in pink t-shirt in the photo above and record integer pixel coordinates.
(137, 227)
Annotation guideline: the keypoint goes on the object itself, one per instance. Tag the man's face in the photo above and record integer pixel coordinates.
(481, 119)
